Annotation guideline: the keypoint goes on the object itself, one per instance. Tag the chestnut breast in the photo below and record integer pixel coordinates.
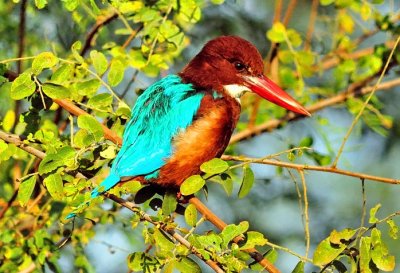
(204, 140)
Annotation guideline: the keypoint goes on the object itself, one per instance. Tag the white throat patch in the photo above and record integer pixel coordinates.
(236, 90)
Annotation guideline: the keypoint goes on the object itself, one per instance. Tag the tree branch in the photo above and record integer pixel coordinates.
(99, 24)
(14, 139)
(311, 168)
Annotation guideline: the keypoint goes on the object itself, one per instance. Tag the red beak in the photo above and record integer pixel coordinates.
(272, 92)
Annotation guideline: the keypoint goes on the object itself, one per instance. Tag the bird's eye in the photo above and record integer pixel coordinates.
(239, 66)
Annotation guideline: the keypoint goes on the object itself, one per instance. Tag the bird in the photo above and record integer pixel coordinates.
(186, 119)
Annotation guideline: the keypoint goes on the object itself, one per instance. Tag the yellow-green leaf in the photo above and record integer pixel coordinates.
(42, 61)
(327, 252)
(26, 189)
(192, 184)
(99, 61)
(169, 203)
(191, 215)
(22, 86)
(90, 124)
(214, 166)
(116, 73)
(54, 185)
(247, 181)
(56, 91)
(277, 33)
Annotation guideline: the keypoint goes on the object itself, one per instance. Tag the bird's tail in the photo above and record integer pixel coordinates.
(111, 180)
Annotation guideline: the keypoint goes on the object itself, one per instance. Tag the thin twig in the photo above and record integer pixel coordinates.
(312, 168)
(289, 11)
(306, 215)
(353, 124)
(311, 24)
(99, 24)
(9, 138)
(133, 207)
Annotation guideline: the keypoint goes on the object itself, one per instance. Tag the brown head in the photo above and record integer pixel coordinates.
(232, 66)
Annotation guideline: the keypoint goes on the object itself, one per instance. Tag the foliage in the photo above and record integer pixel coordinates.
(94, 64)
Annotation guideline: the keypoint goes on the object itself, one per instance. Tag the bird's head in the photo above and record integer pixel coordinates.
(233, 66)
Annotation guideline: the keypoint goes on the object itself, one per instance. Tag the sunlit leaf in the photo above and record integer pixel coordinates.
(23, 86)
(192, 184)
(42, 61)
(191, 215)
(247, 181)
(54, 185)
(232, 231)
(55, 91)
(214, 166)
(169, 203)
(25, 190)
(99, 61)
(372, 213)
(116, 73)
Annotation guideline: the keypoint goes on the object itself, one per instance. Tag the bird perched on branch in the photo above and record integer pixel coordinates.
(184, 120)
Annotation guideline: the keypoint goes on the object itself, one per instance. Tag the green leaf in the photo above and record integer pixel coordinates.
(131, 186)
(88, 88)
(247, 181)
(116, 73)
(214, 166)
(254, 238)
(271, 255)
(192, 184)
(64, 156)
(232, 231)
(380, 253)
(71, 5)
(42, 61)
(25, 190)
(394, 229)
(299, 268)
(169, 203)
(365, 256)
(99, 61)
(63, 74)
(22, 86)
(163, 241)
(372, 213)
(191, 215)
(54, 185)
(187, 265)
(277, 33)
(339, 237)
(90, 124)
(327, 252)
(75, 48)
(326, 2)
(56, 91)
(101, 101)
(40, 3)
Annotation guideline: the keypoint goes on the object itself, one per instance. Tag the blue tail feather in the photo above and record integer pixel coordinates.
(111, 180)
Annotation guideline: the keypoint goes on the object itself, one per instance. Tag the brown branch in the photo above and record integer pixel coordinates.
(355, 89)
(101, 21)
(312, 168)
(289, 11)
(21, 34)
(208, 214)
(311, 24)
(9, 138)
(133, 207)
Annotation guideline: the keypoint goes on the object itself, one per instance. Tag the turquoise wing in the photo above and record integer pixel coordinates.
(163, 110)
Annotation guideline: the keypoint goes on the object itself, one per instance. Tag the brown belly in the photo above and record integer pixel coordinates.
(204, 140)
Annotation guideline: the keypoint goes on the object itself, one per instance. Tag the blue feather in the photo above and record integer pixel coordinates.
(165, 109)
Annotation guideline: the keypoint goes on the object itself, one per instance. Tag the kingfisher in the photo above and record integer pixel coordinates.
(186, 119)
